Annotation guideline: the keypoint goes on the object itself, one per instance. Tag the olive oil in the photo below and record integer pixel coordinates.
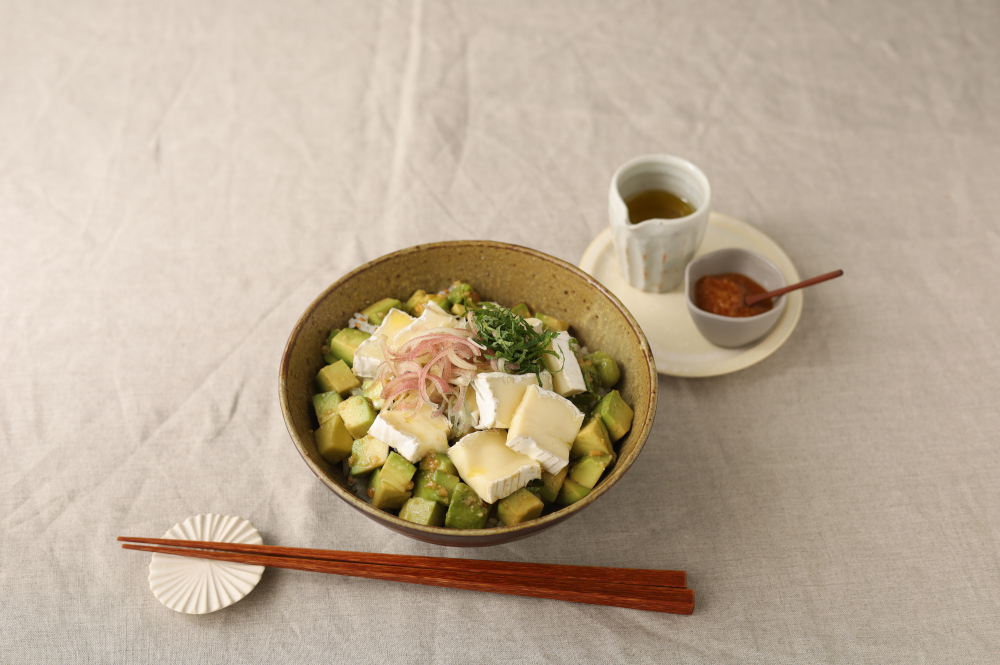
(656, 204)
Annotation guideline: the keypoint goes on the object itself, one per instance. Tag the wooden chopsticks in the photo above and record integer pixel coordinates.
(636, 588)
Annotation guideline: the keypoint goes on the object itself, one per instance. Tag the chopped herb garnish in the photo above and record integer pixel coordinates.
(509, 338)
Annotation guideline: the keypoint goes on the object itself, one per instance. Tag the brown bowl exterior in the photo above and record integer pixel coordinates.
(504, 273)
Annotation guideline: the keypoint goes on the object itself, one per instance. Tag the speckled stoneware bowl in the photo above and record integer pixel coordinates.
(507, 274)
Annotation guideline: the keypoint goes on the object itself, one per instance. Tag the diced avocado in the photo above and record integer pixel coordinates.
(390, 485)
(337, 377)
(346, 342)
(422, 511)
(589, 468)
(571, 492)
(372, 389)
(584, 401)
(435, 486)
(522, 310)
(590, 376)
(592, 436)
(377, 311)
(458, 309)
(333, 441)
(419, 296)
(551, 322)
(328, 357)
(548, 485)
(460, 292)
(415, 305)
(616, 414)
(466, 510)
(358, 415)
(367, 454)
(520, 506)
(438, 461)
(607, 368)
(325, 405)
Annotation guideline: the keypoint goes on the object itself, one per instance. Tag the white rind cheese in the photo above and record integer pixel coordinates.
(498, 394)
(536, 324)
(543, 428)
(489, 467)
(432, 317)
(567, 377)
(368, 355)
(414, 438)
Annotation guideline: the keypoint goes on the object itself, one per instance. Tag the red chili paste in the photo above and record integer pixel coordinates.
(723, 295)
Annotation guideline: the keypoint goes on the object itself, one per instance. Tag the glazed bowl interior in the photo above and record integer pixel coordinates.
(507, 274)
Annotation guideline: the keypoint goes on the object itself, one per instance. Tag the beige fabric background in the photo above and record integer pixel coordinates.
(179, 179)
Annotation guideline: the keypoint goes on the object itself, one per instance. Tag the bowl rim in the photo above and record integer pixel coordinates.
(497, 533)
(780, 301)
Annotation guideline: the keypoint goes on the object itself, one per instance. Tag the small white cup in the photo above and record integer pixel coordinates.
(653, 254)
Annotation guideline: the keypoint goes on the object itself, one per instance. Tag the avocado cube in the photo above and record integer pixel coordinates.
(415, 305)
(522, 310)
(466, 510)
(462, 294)
(333, 441)
(458, 309)
(616, 414)
(345, 343)
(438, 461)
(328, 357)
(607, 368)
(358, 415)
(376, 312)
(325, 405)
(372, 389)
(547, 487)
(589, 469)
(520, 506)
(390, 485)
(337, 377)
(367, 454)
(422, 511)
(571, 492)
(592, 436)
(551, 322)
(435, 486)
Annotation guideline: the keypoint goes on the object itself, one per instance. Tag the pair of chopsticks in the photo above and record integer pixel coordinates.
(635, 588)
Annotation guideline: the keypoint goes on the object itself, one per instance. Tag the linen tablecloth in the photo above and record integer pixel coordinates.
(179, 179)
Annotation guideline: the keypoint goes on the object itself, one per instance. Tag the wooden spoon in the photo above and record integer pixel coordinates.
(757, 297)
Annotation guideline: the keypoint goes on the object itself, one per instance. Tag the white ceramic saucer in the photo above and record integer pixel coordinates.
(200, 586)
(678, 347)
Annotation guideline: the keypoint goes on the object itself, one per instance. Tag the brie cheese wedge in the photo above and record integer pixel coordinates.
(543, 427)
(489, 467)
(368, 355)
(498, 394)
(414, 438)
(433, 317)
(567, 377)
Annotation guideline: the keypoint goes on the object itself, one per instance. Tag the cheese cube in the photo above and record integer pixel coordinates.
(498, 394)
(489, 467)
(368, 355)
(543, 427)
(414, 438)
(567, 377)
(536, 324)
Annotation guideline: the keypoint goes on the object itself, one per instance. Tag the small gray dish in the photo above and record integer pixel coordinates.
(728, 331)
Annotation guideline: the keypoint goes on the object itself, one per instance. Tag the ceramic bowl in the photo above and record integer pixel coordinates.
(507, 274)
(728, 331)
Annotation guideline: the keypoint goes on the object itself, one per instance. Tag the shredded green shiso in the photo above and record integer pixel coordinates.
(509, 338)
